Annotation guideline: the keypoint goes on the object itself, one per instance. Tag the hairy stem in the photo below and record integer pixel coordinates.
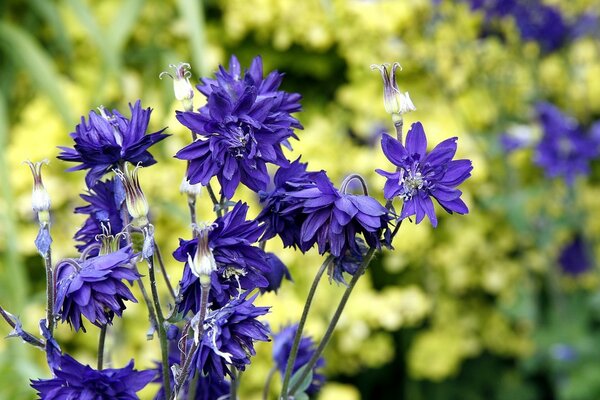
(49, 291)
(101, 341)
(297, 338)
(27, 337)
(163, 270)
(216, 203)
(332, 324)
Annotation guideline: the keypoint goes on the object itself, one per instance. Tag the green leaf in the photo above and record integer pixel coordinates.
(121, 28)
(193, 14)
(303, 385)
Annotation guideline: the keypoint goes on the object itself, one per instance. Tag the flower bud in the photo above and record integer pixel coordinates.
(203, 263)
(134, 196)
(395, 102)
(189, 189)
(182, 88)
(40, 200)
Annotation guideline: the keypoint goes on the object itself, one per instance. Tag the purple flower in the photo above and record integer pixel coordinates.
(419, 175)
(94, 287)
(104, 215)
(109, 139)
(73, 380)
(565, 149)
(282, 214)
(242, 127)
(575, 257)
(282, 346)
(333, 219)
(229, 336)
(276, 274)
(347, 263)
(240, 265)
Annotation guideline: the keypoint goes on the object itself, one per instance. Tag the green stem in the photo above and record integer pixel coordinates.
(216, 203)
(267, 388)
(163, 270)
(338, 312)
(297, 338)
(49, 290)
(101, 341)
(234, 383)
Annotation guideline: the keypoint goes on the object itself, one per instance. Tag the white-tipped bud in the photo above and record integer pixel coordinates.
(189, 189)
(394, 101)
(182, 87)
(137, 205)
(203, 263)
(40, 199)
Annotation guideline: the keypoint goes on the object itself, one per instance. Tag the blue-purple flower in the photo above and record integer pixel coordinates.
(276, 274)
(282, 346)
(107, 140)
(94, 287)
(240, 265)
(73, 380)
(333, 219)
(229, 336)
(575, 258)
(565, 149)
(104, 214)
(241, 128)
(419, 175)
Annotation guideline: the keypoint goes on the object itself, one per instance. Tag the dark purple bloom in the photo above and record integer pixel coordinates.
(565, 149)
(575, 258)
(419, 175)
(242, 127)
(94, 287)
(282, 214)
(240, 265)
(276, 274)
(109, 139)
(73, 380)
(229, 336)
(104, 214)
(333, 219)
(348, 263)
(282, 346)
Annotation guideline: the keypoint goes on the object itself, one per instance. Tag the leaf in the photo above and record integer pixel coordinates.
(122, 26)
(193, 14)
(303, 385)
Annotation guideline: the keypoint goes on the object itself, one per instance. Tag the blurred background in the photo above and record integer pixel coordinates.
(503, 303)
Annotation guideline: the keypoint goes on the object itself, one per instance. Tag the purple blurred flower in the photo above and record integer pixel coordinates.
(242, 127)
(109, 139)
(565, 149)
(282, 214)
(73, 380)
(240, 265)
(420, 175)
(94, 287)
(282, 346)
(104, 215)
(229, 336)
(276, 274)
(575, 257)
(333, 219)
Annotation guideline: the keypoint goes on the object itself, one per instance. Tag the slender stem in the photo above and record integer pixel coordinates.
(216, 203)
(27, 337)
(191, 200)
(101, 340)
(398, 124)
(49, 290)
(234, 383)
(163, 270)
(267, 388)
(297, 338)
(190, 355)
(359, 178)
(191, 394)
(162, 333)
(338, 312)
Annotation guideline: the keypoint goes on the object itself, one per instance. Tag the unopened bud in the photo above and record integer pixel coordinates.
(134, 196)
(395, 102)
(203, 263)
(40, 200)
(182, 88)
(189, 189)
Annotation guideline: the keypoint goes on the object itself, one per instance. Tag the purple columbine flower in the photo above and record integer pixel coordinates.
(282, 346)
(575, 258)
(565, 149)
(240, 265)
(229, 336)
(282, 214)
(419, 175)
(94, 287)
(333, 219)
(107, 140)
(276, 274)
(104, 214)
(73, 380)
(242, 127)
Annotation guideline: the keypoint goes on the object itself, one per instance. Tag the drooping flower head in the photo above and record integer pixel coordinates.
(229, 336)
(282, 347)
(565, 149)
(104, 215)
(276, 274)
(419, 175)
(575, 258)
(105, 141)
(73, 380)
(240, 265)
(333, 219)
(241, 128)
(94, 287)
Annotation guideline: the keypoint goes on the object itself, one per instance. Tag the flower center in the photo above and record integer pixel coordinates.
(411, 180)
